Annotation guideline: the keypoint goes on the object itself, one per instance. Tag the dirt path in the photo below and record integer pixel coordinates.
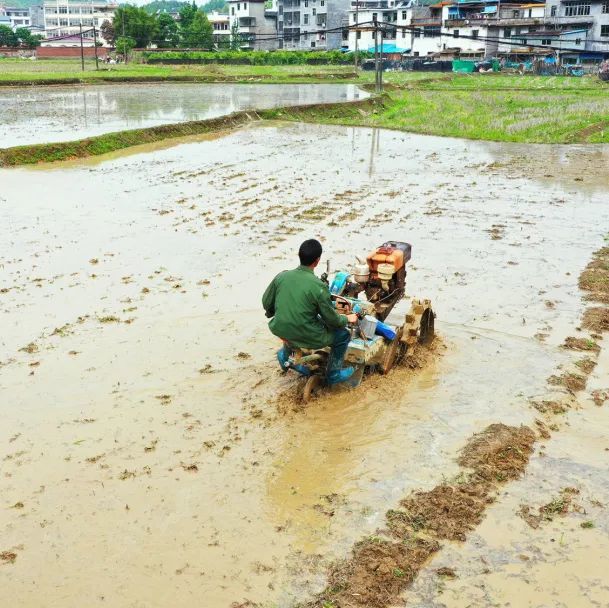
(146, 462)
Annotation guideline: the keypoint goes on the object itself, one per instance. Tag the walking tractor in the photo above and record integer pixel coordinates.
(390, 324)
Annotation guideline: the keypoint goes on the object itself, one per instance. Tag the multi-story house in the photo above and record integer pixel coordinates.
(253, 24)
(312, 24)
(591, 15)
(15, 17)
(64, 18)
(363, 13)
(220, 23)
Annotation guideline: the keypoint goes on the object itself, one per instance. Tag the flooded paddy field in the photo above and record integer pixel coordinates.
(50, 114)
(151, 452)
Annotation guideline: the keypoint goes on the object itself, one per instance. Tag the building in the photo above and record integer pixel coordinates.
(220, 23)
(591, 15)
(15, 17)
(312, 24)
(253, 24)
(63, 18)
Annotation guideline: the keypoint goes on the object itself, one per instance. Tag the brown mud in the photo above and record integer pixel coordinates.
(154, 463)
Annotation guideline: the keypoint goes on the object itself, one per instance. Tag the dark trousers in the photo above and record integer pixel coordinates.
(340, 343)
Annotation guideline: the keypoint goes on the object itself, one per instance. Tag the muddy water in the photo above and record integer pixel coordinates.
(41, 115)
(154, 463)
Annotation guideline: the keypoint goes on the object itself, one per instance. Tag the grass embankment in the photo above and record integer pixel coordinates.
(534, 110)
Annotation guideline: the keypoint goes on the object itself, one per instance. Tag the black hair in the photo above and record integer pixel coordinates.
(309, 251)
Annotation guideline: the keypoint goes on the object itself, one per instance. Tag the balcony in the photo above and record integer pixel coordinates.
(420, 22)
(247, 21)
(563, 20)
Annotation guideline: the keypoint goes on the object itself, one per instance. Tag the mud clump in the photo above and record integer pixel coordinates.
(447, 511)
(498, 453)
(573, 382)
(596, 319)
(559, 506)
(584, 344)
(378, 572)
(8, 557)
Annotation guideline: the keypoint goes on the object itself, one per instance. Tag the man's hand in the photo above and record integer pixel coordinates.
(352, 318)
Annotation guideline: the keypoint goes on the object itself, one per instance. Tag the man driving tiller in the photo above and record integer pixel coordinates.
(303, 316)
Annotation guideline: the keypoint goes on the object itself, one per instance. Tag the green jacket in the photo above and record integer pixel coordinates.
(301, 309)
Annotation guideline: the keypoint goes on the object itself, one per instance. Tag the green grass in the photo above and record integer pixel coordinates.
(525, 116)
(18, 71)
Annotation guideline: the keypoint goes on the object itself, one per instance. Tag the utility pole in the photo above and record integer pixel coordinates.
(82, 50)
(95, 43)
(381, 62)
(356, 32)
(376, 56)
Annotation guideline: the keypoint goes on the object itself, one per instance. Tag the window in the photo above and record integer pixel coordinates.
(359, 35)
(507, 32)
(605, 7)
(515, 14)
(245, 6)
(455, 33)
(314, 12)
(431, 31)
(312, 44)
(306, 3)
(323, 2)
(553, 11)
(63, 10)
(305, 18)
(374, 16)
(523, 41)
(404, 16)
(605, 31)
(546, 41)
(416, 53)
(475, 34)
(354, 18)
(63, 22)
(403, 33)
(238, 7)
(577, 9)
(417, 33)
(232, 11)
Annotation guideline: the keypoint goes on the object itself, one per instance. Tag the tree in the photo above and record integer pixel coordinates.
(124, 45)
(163, 6)
(107, 32)
(187, 15)
(168, 36)
(133, 22)
(25, 38)
(199, 33)
(215, 5)
(7, 36)
(235, 37)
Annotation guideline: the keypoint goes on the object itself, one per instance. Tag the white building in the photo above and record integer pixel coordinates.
(255, 26)
(220, 23)
(15, 17)
(64, 17)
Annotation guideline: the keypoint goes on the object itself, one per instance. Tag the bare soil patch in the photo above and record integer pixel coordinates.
(596, 319)
(499, 453)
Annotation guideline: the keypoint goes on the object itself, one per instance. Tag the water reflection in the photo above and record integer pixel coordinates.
(65, 113)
